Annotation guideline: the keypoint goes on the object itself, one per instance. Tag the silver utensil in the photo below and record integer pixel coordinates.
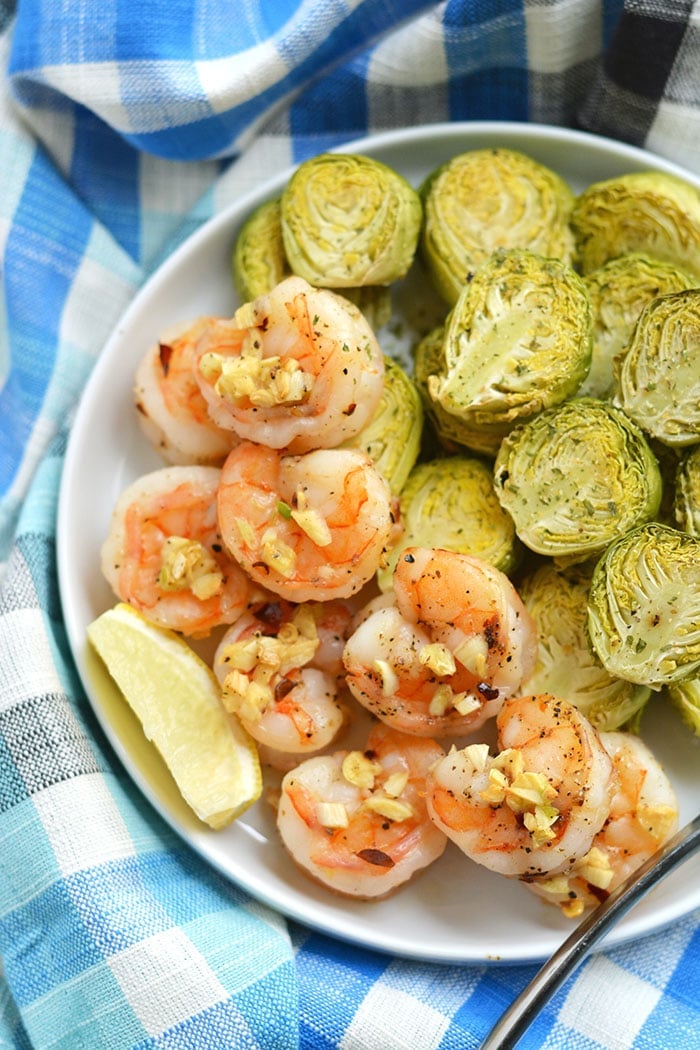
(518, 1017)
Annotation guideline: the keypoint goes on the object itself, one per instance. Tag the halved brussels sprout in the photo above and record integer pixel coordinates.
(566, 666)
(450, 503)
(686, 504)
(659, 381)
(619, 291)
(451, 430)
(685, 697)
(259, 262)
(517, 341)
(487, 199)
(349, 220)
(650, 211)
(392, 437)
(576, 478)
(644, 606)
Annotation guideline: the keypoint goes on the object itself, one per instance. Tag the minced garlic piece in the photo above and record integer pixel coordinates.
(244, 698)
(391, 808)
(441, 700)
(188, 565)
(276, 553)
(258, 660)
(246, 531)
(395, 783)
(539, 823)
(264, 381)
(558, 889)
(437, 658)
(390, 680)
(466, 703)
(311, 521)
(360, 770)
(595, 868)
(572, 909)
(524, 792)
(332, 815)
(478, 755)
(473, 654)
(659, 820)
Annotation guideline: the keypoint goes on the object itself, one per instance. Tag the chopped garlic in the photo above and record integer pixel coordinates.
(473, 654)
(264, 381)
(390, 680)
(441, 700)
(244, 698)
(360, 770)
(466, 703)
(572, 909)
(478, 755)
(391, 808)
(276, 553)
(658, 820)
(246, 531)
(311, 521)
(188, 565)
(332, 815)
(395, 783)
(437, 658)
(595, 868)
(524, 792)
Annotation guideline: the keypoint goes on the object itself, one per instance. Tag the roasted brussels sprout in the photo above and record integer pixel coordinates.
(452, 431)
(392, 437)
(450, 503)
(349, 220)
(651, 212)
(259, 262)
(566, 665)
(659, 381)
(686, 504)
(487, 199)
(576, 478)
(644, 606)
(517, 341)
(619, 291)
(685, 697)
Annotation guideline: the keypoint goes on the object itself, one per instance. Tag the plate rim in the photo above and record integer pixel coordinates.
(628, 929)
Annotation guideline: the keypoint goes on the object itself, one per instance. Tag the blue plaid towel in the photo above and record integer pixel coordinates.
(124, 126)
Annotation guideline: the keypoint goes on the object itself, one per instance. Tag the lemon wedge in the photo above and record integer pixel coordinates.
(176, 698)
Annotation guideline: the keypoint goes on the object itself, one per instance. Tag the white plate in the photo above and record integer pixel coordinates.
(455, 912)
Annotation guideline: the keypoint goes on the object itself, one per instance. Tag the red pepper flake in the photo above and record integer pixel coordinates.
(377, 857)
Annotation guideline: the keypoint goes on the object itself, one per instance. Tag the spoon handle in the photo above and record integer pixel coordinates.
(518, 1017)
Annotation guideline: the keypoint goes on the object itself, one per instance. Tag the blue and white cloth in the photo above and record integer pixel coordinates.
(123, 126)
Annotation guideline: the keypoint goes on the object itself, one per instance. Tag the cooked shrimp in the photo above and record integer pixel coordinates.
(171, 408)
(309, 527)
(299, 368)
(643, 814)
(280, 678)
(164, 554)
(356, 820)
(441, 660)
(536, 806)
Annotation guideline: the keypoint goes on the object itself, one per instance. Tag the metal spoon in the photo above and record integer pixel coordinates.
(519, 1016)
